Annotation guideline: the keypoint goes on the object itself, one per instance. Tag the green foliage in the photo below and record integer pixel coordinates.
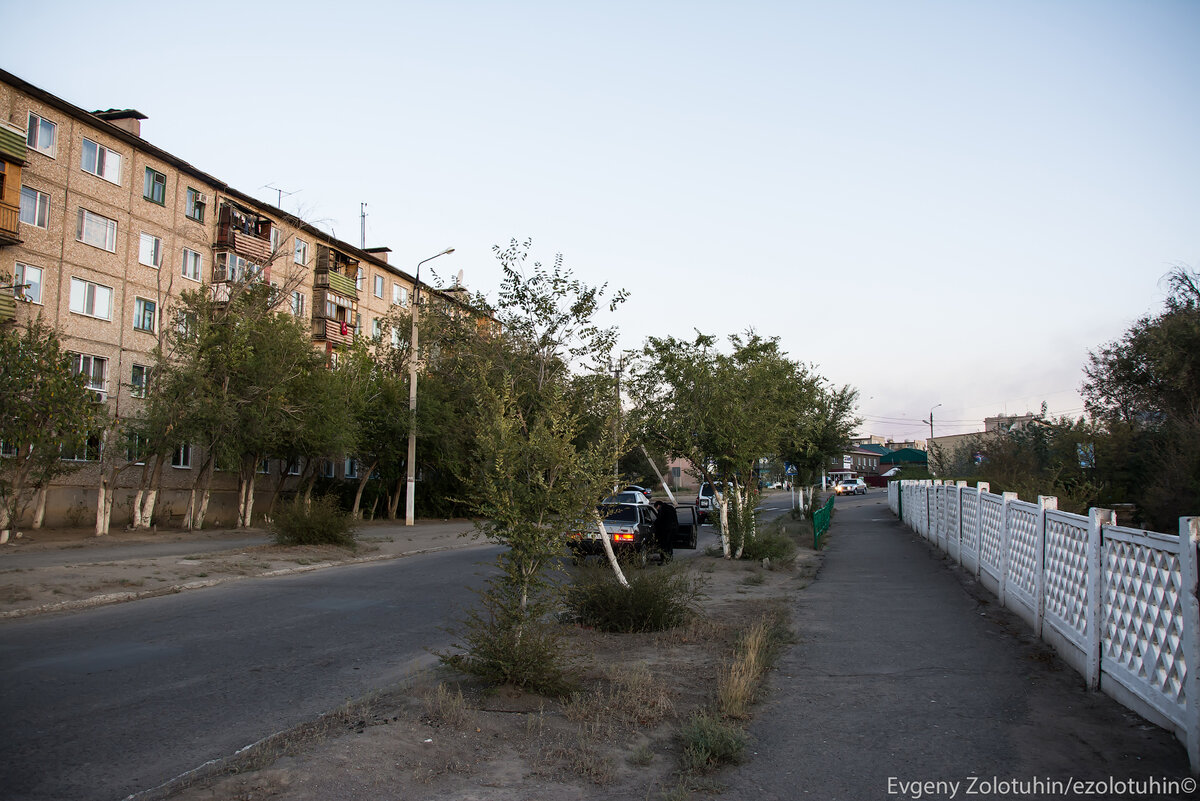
(510, 639)
(45, 405)
(710, 742)
(658, 598)
(771, 544)
(319, 522)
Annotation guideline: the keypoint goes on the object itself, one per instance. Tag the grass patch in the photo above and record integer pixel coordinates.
(757, 650)
(658, 598)
(710, 742)
(630, 698)
(319, 522)
(445, 707)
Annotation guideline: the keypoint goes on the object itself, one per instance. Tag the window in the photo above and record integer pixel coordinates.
(351, 468)
(293, 467)
(42, 135)
(358, 279)
(155, 189)
(194, 205)
(139, 381)
(84, 449)
(28, 283)
(264, 467)
(192, 264)
(35, 207)
(143, 314)
(298, 304)
(301, 256)
(100, 161)
(376, 329)
(232, 267)
(274, 240)
(7, 450)
(137, 448)
(379, 286)
(182, 457)
(150, 250)
(94, 300)
(97, 231)
(94, 369)
(187, 325)
(327, 469)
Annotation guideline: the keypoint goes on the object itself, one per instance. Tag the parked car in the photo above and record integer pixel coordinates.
(636, 531)
(627, 497)
(636, 488)
(851, 486)
(706, 501)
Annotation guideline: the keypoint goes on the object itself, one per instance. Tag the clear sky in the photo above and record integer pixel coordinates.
(935, 202)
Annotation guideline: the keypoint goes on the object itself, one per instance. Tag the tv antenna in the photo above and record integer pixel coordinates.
(279, 194)
(362, 237)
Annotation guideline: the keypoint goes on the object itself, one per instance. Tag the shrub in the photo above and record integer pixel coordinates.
(656, 599)
(710, 742)
(319, 522)
(510, 640)
(770, 544)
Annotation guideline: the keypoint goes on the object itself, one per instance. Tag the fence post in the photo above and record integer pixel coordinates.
(980, 488)
(1189, 536)
(1097, 520)
(1045, 503)
(958, 517)
(1002, 590)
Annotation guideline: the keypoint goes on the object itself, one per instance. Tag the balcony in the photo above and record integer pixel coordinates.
(337, 282)
(10, 218)
(246, 233)
(338, 332)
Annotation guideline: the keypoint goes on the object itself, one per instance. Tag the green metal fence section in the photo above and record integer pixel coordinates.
(820, 520)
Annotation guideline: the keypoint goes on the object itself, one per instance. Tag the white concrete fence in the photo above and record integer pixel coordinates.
(1118, 604)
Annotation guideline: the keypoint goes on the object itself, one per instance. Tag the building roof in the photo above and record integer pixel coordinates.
(873, 448)
(905, 456)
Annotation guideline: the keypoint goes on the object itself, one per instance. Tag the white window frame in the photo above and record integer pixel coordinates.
(232, 267)
(139, 389)
(378, 290)
(139, 314)
(377, 329)
(276, 234)
(105, 162)
(89, 223)
(350, 468)
(90, 453)
(32, 293)
(327, 469)
(197, 262)
(84, 295)
(399, 295)
(34, 135)
(41, 207)
(155, 253)
(94, 368)
(181, 457)
(264, 467)
(137, 445)
(297, 303)
(292, 468)
(300, 254)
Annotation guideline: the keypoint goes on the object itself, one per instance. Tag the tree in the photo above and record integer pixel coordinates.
(724, 411)
(46, 405)
(1144, 392)
(531, 476)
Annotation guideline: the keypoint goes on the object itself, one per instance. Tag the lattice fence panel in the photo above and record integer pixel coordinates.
(970, 519)
(1022, 547)
(1144, 615)
(1066, 593)
(991, 528)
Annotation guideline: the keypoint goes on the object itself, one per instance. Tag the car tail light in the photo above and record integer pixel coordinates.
(623, 535)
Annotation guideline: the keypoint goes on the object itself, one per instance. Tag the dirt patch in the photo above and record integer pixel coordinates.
(447, 737)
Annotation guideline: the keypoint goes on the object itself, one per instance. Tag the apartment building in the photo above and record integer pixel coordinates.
(101, 231)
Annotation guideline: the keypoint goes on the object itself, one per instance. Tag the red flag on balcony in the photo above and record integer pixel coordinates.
(345, 328)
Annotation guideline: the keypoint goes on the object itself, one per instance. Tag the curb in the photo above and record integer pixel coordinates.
(123, 597)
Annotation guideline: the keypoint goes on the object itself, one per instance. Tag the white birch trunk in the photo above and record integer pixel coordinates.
(101, 505)
(610, 553)
(725, 549)
(39, 508)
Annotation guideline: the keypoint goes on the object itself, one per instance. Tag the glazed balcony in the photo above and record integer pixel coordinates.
(336, 282)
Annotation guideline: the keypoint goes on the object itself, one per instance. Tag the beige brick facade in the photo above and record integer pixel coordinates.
(100, 212)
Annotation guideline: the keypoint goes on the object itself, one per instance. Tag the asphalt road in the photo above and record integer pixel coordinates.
(112, 701)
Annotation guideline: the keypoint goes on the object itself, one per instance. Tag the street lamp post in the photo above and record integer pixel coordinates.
(410, 496)
(931, 425)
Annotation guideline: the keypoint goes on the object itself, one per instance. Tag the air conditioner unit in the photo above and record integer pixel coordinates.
(201, 198)
(99, 395)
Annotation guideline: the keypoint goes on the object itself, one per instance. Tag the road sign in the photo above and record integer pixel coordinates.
(790, 470)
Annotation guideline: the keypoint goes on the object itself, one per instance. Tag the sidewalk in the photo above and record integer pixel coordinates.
(904, 671)
(60, 570)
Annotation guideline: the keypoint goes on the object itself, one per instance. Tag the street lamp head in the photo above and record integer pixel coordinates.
(447, 250)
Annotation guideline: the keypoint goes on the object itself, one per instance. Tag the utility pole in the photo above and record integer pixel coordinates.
(616, 370)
